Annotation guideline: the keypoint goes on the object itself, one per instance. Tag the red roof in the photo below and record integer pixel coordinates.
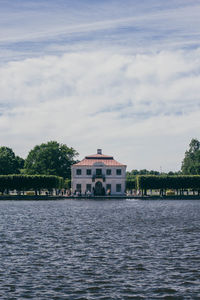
(90, 160)
(99, 156)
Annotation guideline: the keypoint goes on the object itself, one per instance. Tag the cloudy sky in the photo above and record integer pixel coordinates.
(123, 76)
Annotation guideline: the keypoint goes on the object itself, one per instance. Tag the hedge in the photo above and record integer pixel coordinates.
(145, 182)
(26, 182)
(131, 183)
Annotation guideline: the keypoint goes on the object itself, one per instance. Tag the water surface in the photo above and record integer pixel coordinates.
(87, 249)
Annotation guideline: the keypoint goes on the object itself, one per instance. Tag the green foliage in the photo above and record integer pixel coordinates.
(130, 181)
(168, 182)
(146, 179)
(20, 162)
(135, 172)
(191, 161)
(67, 183)
(131, 184)
(142, 172)
(51, 158)
(26, 182)
(173, 173)
(9, 163)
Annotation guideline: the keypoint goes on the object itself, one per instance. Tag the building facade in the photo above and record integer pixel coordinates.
(98, 175)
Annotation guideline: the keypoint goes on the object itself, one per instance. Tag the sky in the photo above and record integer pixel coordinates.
(122, 76)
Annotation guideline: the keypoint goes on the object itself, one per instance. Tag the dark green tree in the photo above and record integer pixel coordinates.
(191, 161)
(50, 158)
(142, 172)
(9, 163)
(27, 182)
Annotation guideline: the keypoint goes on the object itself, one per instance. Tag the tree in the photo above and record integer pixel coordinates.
(51, 158)
(135, 172)
(178, 182)
(9, 163)
(191, 161)
(26, 182)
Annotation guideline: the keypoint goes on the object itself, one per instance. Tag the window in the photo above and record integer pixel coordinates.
(118, 188)
(88, 172)
(78, 172)
(88, 187)
(108, 187)
(78, 187)
(119, 172)
(108, 172)
(98, 171)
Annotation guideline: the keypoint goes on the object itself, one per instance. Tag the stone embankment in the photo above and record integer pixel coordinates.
(45, 197)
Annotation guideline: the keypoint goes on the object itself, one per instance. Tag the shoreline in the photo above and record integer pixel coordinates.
(44, 197)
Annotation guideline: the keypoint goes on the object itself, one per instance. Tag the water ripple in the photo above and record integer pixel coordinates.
(99, 250)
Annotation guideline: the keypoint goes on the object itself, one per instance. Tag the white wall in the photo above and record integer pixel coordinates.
(112, 179)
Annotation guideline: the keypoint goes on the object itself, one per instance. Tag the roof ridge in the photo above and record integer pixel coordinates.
(97, 154)
(92, 161)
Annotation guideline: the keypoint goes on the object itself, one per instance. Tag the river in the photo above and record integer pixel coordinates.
(100, 249)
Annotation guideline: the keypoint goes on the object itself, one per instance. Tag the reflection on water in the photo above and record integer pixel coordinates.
(84, 249)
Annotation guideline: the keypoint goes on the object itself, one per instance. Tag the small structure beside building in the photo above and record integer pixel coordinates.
(98, 175)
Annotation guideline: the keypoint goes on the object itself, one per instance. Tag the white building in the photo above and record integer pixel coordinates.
(98, 174)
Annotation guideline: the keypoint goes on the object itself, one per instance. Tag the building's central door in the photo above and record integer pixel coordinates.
(99, 190)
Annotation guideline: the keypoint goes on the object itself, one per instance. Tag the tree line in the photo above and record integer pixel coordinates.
(54, 159)
(22, 183)
(49, 158)
(47, 166)
(190, 166)
(163, 183)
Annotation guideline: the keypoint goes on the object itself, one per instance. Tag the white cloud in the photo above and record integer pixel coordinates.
(109, 84)
(29, 29)
(144, 109)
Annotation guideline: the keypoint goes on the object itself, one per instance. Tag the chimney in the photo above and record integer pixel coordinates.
(99, 151)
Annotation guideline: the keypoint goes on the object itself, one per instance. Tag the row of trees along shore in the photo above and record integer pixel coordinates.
(186, 179)
(180, 183)
(48, 166)
(22, 183)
